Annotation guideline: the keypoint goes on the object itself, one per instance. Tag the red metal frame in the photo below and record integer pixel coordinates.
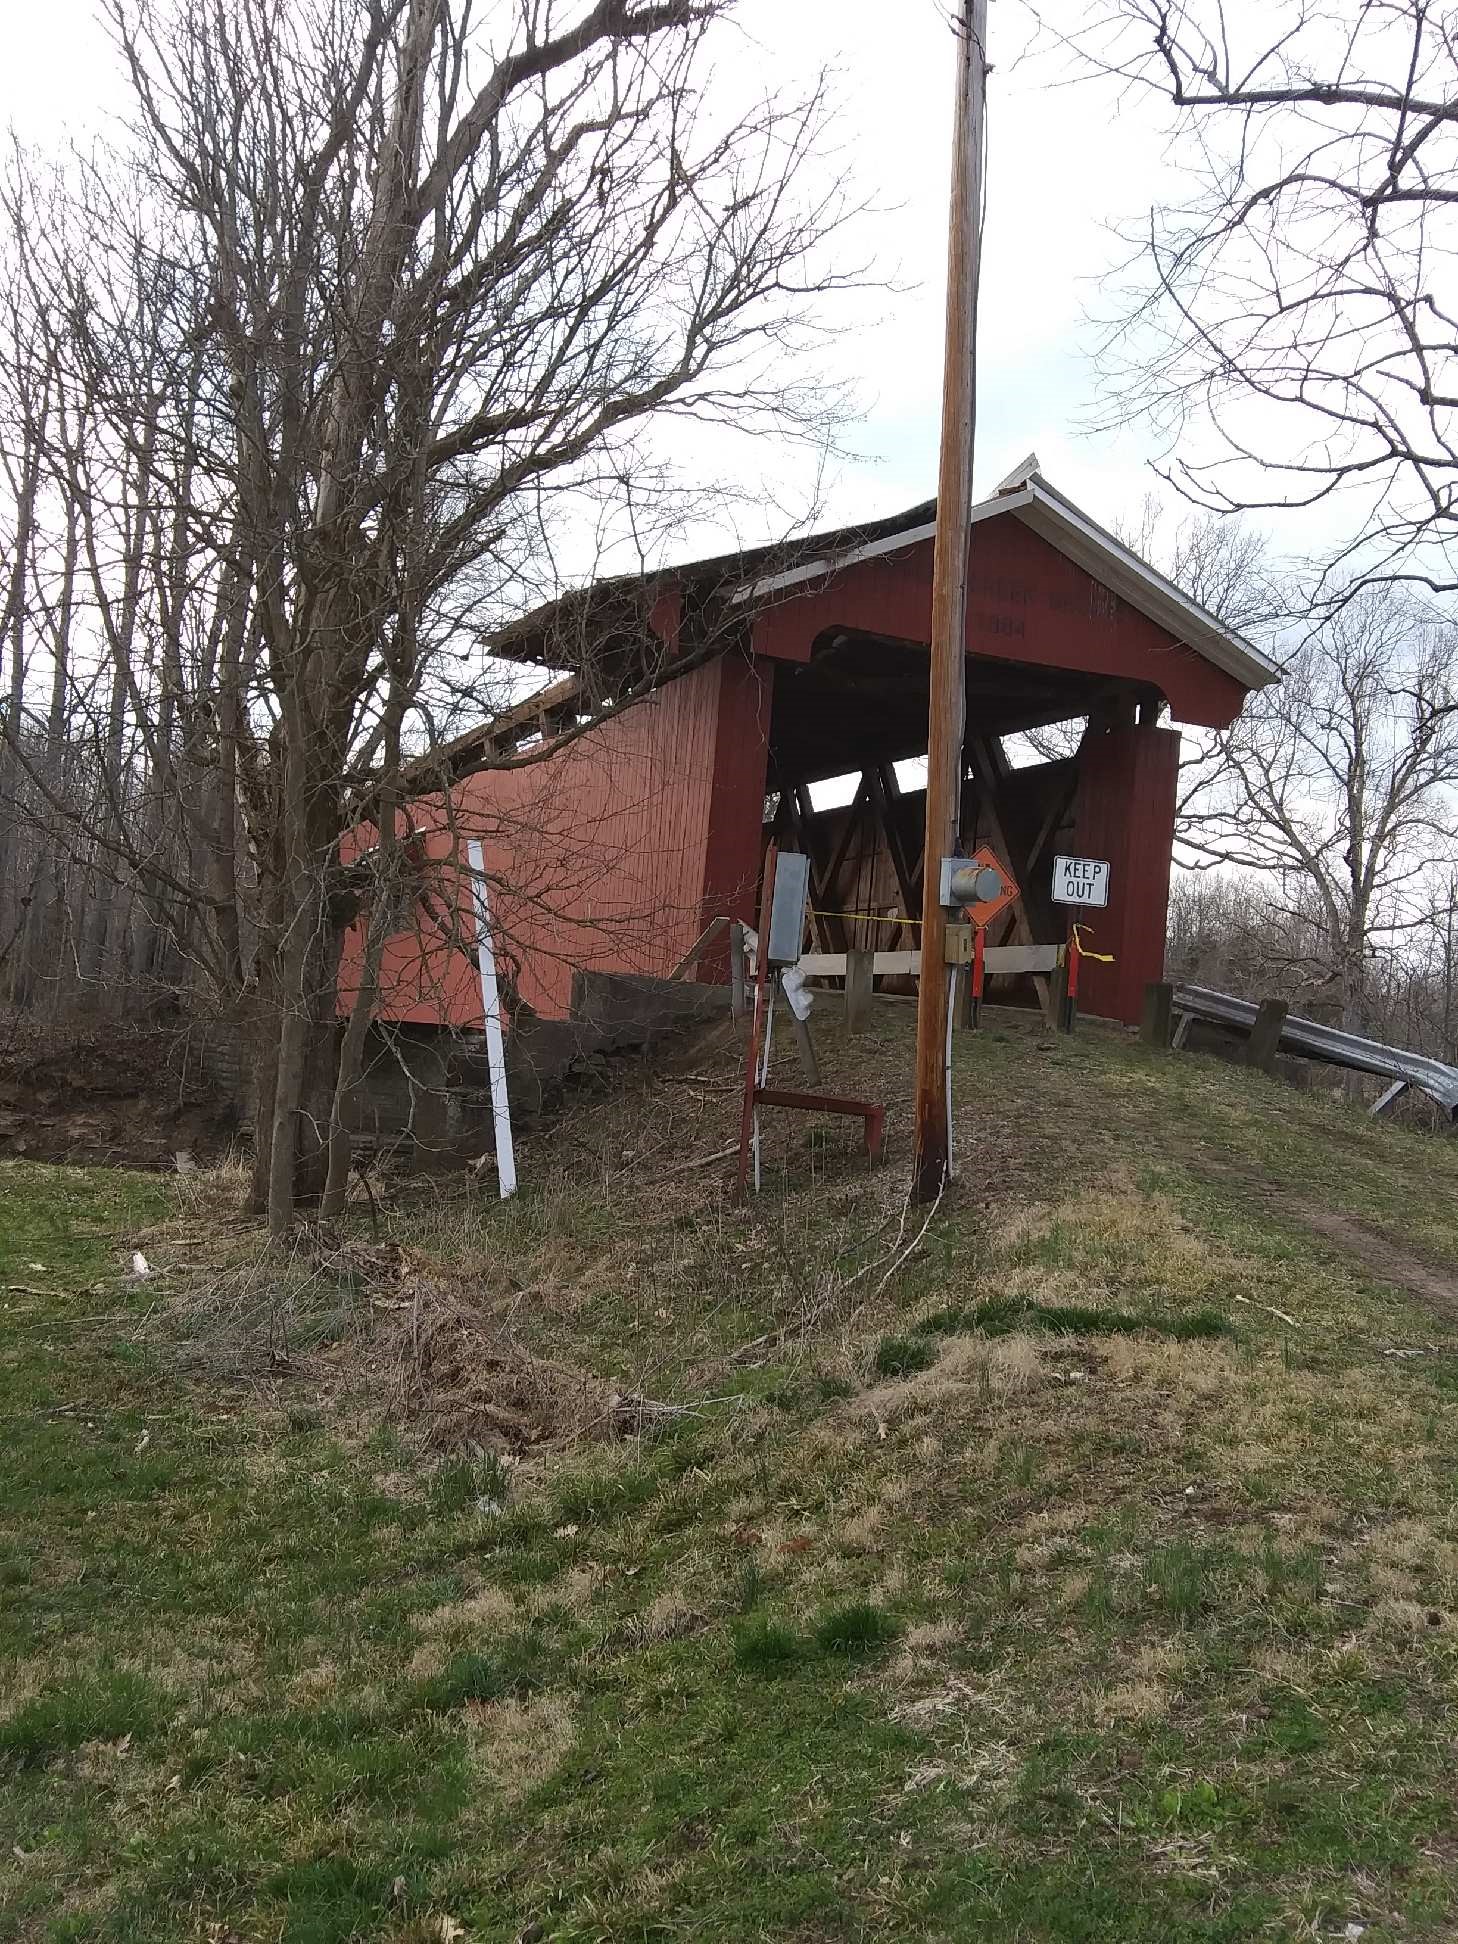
(756, 1031)
(1073, 958)
(869, 1111)
(872, 1114)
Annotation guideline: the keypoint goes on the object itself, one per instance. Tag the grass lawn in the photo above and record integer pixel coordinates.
(1082, 1568)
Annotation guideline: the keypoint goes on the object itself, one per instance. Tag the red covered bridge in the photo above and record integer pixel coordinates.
(613, 845)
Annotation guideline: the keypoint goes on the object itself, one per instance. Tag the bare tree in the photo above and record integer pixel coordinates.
(1335, 786)
(1291, 322)
(1222, 562)
(376, 291)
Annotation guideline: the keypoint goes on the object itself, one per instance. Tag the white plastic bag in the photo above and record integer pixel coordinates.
(798, 992)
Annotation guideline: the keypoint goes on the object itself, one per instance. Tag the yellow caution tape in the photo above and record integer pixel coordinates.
(1104, 958)
(870, 917)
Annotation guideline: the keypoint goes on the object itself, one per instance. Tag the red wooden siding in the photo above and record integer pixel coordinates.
(615, 852)
(736, 804)
(1126, 810)
(1027, 602)
(600, 854)
(427, 974)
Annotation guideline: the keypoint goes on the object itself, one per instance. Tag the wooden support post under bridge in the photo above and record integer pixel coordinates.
(859, 973)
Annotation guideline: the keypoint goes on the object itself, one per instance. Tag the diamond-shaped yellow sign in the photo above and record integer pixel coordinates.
(986, 909)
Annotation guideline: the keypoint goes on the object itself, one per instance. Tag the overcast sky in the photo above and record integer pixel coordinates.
(1067, 163)
(1061, 169)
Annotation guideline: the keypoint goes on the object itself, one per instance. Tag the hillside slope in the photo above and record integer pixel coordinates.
(1083, 1565)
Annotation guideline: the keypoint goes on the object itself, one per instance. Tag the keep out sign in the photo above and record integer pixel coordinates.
(1080, 881)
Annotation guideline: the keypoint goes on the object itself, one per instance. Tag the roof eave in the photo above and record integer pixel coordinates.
(1057, 520)
(1098, 552)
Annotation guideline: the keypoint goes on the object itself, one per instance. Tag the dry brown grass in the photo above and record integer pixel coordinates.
(313, 1683)
(518, 1744)
(576, 1591)
(457, 1373)
(1397, 1618)
(1128, 1701)
(923, 1651)
(668, 1617)
(972, 1370)
(488, 1607)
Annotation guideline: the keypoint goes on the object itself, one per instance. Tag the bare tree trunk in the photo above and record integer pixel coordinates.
(41, 945)
(348, 301)
(351, 1057)
(104, 920)
(14, 910)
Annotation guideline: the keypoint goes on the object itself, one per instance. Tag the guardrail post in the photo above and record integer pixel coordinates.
(1265, 1034)
(1158, 1013)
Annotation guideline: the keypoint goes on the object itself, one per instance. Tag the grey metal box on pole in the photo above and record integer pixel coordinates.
(786, 938)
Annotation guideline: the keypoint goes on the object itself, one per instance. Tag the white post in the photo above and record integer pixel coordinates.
(491, 1012)
(771, 986)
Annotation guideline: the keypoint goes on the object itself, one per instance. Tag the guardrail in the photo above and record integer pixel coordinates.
(1310, 1040)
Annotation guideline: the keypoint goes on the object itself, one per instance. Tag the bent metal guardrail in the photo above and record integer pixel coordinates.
(1310, 1040)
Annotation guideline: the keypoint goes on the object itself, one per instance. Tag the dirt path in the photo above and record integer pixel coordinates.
(1431, 1285)
(1427, 1280)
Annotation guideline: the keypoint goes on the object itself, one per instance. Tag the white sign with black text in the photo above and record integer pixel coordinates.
(1080, 881)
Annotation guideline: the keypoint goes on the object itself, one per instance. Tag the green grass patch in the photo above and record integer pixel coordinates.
(470, 1485)
(903, 1356)
(998, 1317)
(466, 1677)
(1165, 1655)
(855, 1630)
(1182, 1578)
(99, 1705)
(768, 1647)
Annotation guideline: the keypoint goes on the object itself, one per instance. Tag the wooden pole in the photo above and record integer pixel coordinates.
(949, 598)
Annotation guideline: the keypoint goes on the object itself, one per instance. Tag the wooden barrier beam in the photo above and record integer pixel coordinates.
(1389, 1095)
(809, 1064)
(738, 971)
(701, 944)
(1006, 960)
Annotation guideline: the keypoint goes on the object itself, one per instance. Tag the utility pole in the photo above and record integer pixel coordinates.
(949, 597)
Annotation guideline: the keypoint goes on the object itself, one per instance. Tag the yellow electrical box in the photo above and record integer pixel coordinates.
(959, 945)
